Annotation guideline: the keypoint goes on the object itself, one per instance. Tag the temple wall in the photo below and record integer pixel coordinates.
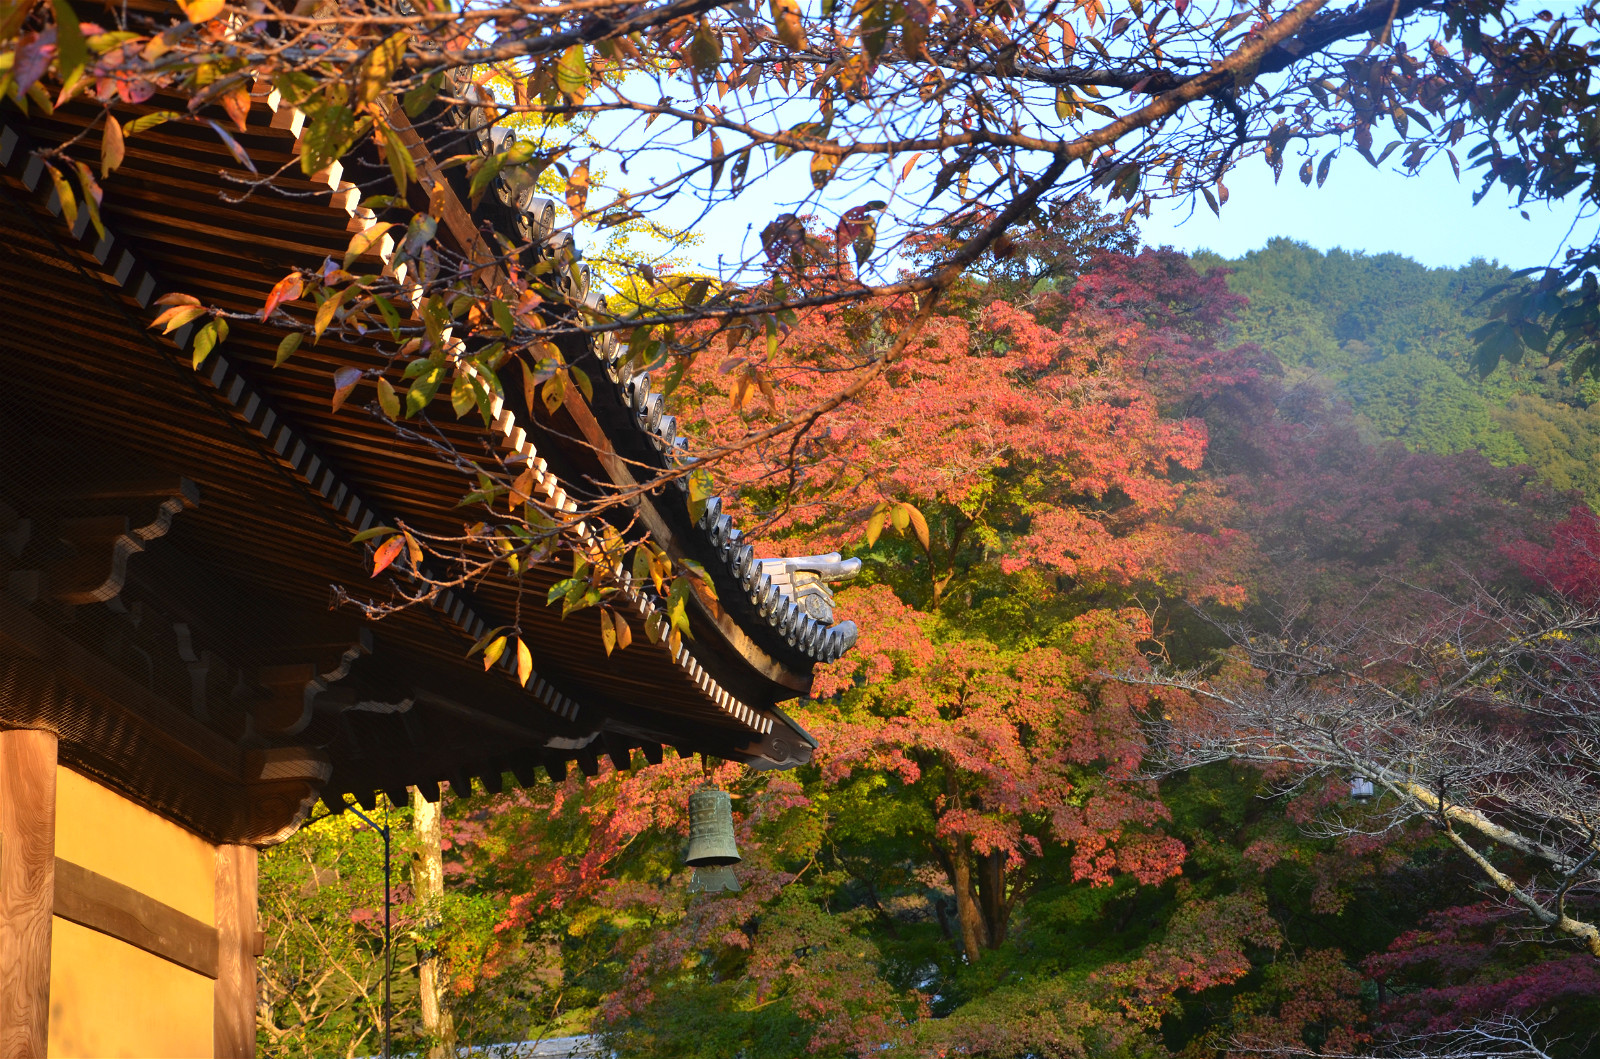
(98, 829)
(121, 932)
(109, 998)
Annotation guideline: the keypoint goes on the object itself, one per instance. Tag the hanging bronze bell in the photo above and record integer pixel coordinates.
(711, 830)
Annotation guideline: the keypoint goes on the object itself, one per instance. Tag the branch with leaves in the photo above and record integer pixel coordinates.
(1480, 717)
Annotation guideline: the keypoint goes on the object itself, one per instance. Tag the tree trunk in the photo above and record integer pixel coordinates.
(428, 879)
(974, 937)
(992, 898)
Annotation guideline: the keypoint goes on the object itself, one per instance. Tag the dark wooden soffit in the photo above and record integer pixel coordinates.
(287, 409)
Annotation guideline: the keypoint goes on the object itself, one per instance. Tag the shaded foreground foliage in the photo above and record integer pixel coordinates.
(1079, 465)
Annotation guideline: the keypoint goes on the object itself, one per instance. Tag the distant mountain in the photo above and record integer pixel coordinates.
(1391, 337)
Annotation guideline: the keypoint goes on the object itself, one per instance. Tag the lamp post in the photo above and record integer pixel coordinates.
(388, 956)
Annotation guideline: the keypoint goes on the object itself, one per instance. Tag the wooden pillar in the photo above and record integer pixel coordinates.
(234, 1021)
(27, 889)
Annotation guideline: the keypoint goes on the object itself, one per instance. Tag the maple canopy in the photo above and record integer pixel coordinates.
(936, 134)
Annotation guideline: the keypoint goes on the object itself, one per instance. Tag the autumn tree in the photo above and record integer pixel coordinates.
(1479, 719)
(913, 119)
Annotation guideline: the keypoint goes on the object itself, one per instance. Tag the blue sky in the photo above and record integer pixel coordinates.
(1429, 217)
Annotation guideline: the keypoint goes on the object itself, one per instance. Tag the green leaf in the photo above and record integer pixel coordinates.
(72, 50)
(205, 340)
(422, 96)
(1323, 167)
(379, 66)
(373, 534)
(422, 390)
(705, 50)
(363, 242)
(484, 175)
(502, 317)
(581, 377)
(388, 400)
(701, 489)
(327, 137)
(286, 348)
(572, 72)
(391, 315)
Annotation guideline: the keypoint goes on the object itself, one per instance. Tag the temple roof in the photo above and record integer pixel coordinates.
(190, 529)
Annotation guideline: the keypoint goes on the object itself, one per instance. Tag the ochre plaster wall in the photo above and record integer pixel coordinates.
(108, 998)
(98, 829)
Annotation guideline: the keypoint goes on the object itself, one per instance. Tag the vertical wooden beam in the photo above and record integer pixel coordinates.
(234, 1019)
(27, 889)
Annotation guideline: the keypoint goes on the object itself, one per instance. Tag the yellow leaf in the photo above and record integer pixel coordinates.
(325, 311)
(901, 518)
(388, 400)
(822, 167)
(492, 653)
(524, 663)
(363, 242)
(176, 317)
(379, 66)
(201, 10)
(112, 147)
(608, 635)
(578, 189)
(919, 525)
(522, 489)
(786, 19)
(875, 524)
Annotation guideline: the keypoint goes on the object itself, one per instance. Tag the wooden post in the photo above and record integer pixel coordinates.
(234, 1018)
(27, 889)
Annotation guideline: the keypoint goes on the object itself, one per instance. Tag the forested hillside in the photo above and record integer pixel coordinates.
(1392, 337)
(1093, 460)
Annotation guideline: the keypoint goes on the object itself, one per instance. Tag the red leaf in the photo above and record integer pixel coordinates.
(286, 289)
(387, 553)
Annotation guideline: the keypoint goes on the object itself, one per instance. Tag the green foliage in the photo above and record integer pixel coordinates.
(1394, 339)
(322, 972)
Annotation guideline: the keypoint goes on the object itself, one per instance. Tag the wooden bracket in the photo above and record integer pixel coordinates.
(89, 534)
(289, 692)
